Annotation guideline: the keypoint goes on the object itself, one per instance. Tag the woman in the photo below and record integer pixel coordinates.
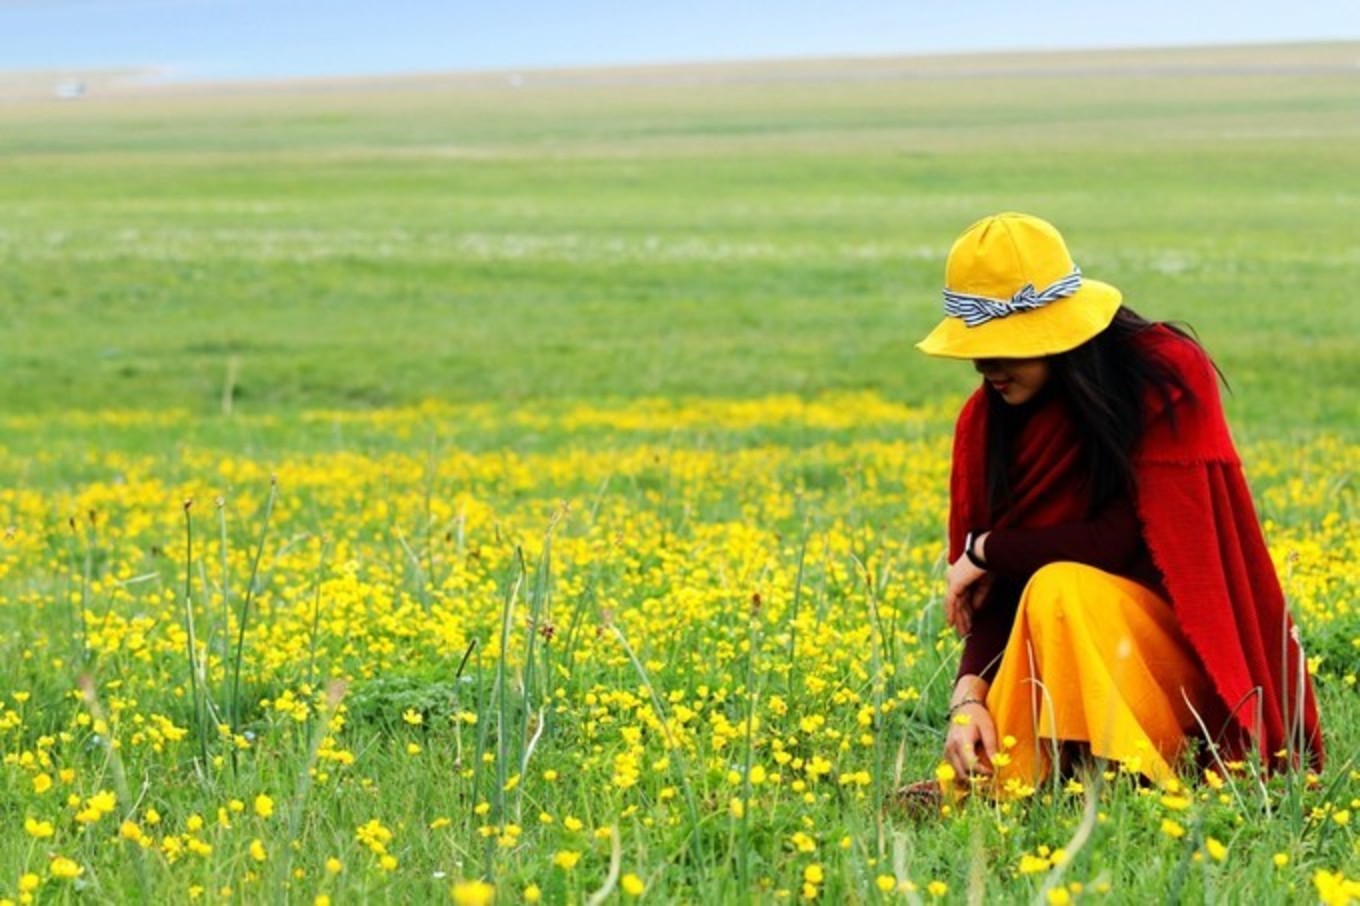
(1106, 564)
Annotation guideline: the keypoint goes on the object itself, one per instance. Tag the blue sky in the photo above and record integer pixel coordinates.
(270, 38)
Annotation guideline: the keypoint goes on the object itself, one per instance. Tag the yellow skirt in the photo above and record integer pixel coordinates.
(1093, 658)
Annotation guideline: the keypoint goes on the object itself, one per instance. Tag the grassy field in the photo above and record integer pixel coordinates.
(525, 485)
(765, 230)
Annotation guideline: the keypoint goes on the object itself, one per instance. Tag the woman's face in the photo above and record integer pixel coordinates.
(1016, 380)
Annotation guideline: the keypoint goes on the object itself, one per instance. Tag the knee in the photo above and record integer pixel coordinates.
(1053, 591)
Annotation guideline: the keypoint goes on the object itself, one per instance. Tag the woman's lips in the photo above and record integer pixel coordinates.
(999, 386)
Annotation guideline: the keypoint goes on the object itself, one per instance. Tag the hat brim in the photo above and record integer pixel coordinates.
(1057, 327)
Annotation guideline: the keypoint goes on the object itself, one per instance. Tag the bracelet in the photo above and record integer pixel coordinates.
(966, 701)
(972, 556)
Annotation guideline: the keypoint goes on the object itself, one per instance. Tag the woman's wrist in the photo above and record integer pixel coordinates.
(969, 689)
(965, 702)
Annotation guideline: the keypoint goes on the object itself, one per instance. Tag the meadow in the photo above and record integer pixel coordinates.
(524, 487)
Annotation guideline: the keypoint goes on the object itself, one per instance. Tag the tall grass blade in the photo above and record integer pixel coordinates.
(243, 620)
(191, 642)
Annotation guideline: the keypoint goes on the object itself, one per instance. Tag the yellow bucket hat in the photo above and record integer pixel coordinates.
(1011, 291)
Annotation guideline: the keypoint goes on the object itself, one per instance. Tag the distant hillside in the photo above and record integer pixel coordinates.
(1302, 59)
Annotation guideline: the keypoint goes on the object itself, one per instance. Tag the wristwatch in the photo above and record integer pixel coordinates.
(968, 552)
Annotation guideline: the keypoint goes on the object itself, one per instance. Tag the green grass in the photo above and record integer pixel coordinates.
(466, 240)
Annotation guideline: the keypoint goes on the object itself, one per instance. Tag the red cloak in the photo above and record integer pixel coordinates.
(1201, 529)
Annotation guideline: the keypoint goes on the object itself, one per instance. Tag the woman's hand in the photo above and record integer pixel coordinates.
(970, 602)
(966, 588)
(970, 742)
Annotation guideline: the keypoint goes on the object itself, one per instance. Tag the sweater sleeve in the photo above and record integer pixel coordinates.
(1112, 541)
(984, 646)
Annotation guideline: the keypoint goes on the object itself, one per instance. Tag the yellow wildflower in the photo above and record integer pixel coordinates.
(38, 829)
(1334, 889)
(473, 893)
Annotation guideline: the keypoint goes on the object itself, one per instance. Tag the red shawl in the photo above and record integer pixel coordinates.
(1200, 527)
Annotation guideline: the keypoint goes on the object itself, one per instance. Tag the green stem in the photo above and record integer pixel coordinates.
(191, 641)
(225, 585)
(234, 704)
(502, 686)
(752, 641)
(541, 592)
(793, 613)
(681, 768)
(316, 617)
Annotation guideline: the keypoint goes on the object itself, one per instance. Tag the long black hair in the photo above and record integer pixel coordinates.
(1106, 381)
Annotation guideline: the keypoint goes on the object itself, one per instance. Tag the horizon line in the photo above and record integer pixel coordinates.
(167, 74)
